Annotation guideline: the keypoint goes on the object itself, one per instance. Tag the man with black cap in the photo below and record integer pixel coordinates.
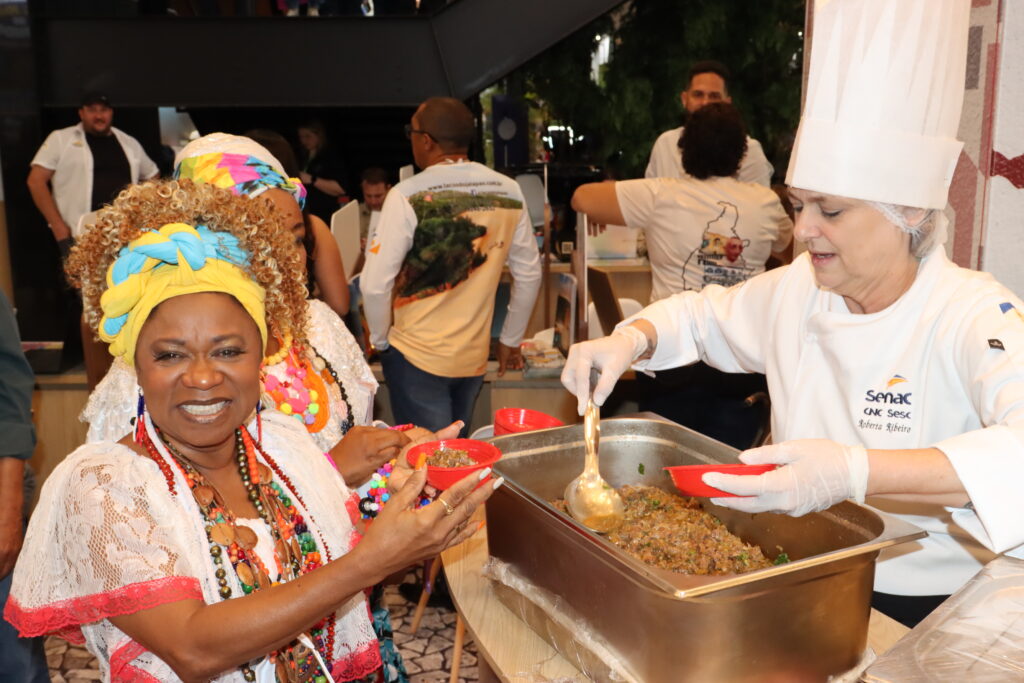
(80, 168)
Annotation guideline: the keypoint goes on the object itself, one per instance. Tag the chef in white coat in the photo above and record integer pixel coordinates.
(894, 374)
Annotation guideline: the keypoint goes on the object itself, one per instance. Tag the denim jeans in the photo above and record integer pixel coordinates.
(22, 660)
(427, 400)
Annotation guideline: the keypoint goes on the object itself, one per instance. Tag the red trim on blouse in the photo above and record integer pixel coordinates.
(121, 669)
(66, 617)
(358, 664)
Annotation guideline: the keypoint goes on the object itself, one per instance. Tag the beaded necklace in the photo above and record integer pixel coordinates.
(295, 548)
(303, 388)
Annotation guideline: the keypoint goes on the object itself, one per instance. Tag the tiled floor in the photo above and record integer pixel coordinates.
(427, 654)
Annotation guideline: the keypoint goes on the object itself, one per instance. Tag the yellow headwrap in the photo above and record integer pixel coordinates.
(176, 260)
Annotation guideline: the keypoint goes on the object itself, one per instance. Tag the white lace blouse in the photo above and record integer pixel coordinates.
(109, 538)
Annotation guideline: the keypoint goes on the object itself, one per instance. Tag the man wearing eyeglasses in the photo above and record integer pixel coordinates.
(708, 82)
(433, 267)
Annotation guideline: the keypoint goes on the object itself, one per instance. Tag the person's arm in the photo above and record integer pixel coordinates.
(363, 449)
(328, 270)
(326, 185)
(148, 170)
(524, 265)
(12, 502)
(16, 383)
(730, 329)
(599, 202)
(199, 641)
(39, 187)
(384, 256)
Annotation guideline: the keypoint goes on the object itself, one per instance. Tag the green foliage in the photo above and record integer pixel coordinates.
(443, 253)
(654, 44)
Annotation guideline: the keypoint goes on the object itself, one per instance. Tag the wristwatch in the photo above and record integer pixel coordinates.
(312, 179)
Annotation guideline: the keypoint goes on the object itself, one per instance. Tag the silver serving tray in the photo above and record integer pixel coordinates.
(803, 620)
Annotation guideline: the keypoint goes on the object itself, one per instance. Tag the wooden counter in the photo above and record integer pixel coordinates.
(513, 653)
(57, 401)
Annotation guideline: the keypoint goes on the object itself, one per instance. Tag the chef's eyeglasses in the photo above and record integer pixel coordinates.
(409, 130)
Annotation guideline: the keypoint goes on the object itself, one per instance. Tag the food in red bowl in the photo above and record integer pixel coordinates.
(480, 453)
(689, 478)
(517, 420)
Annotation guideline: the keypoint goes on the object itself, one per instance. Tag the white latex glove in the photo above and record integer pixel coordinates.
(612, 355)
(815, 475)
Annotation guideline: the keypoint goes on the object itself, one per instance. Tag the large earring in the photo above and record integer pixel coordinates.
(140, 418)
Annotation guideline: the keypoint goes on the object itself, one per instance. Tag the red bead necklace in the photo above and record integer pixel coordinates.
(295, 548)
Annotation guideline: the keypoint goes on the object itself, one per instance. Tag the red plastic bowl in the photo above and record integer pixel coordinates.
(688, 478)
(442, 478)
(517, 420)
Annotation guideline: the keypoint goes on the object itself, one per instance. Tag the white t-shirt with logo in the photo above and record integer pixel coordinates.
(717, 231)
(941, 367)
(434, 263)
(667, 162)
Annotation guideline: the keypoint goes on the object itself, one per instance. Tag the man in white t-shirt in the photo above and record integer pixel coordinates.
(703, 228)
(433, 266)
(707, 83)
(80, 168)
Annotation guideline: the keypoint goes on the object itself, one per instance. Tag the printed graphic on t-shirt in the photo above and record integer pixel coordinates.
(719, 259)
(447, 244)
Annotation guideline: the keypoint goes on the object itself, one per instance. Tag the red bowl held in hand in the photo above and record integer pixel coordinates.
(688, 478)
(441, 478)
(517, 420)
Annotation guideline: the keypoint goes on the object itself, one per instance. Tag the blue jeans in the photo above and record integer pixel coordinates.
(427, 400)
(22, 660)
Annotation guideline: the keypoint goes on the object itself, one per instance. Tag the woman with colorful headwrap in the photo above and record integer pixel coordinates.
(199, 547)
(322, 379)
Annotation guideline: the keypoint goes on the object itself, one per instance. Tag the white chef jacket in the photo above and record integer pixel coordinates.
(941, 367)
(66, 152)
(667, 161)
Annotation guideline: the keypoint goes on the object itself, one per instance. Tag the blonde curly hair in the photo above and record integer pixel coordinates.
(276, 264)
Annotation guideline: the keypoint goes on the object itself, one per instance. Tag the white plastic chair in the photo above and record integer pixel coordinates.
(533, 191)
(345, 228)
(406, 172)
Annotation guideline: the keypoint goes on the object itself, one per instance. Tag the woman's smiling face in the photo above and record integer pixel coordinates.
(198, 362)
(855, 251)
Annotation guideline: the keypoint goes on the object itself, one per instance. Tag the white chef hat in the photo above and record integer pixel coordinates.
(883, 101)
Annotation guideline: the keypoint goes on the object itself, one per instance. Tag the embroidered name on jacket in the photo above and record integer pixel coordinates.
(888, 409)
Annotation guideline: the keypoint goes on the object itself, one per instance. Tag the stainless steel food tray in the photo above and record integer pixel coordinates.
(800, 621)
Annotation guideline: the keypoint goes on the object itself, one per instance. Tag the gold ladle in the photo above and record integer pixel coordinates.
(588, 497)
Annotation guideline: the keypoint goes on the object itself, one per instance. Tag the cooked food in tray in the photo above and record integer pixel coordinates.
(671, 532)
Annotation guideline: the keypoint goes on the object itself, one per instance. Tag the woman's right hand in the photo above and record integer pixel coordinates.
(403, 534)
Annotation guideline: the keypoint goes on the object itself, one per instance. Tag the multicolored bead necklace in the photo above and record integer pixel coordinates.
(302, 388)
(295, 548)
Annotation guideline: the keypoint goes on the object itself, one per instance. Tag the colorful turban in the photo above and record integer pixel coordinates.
(236, 163)
(176, 260)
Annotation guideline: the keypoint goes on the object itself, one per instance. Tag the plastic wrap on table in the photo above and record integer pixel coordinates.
(976, 635)
(557, 622)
